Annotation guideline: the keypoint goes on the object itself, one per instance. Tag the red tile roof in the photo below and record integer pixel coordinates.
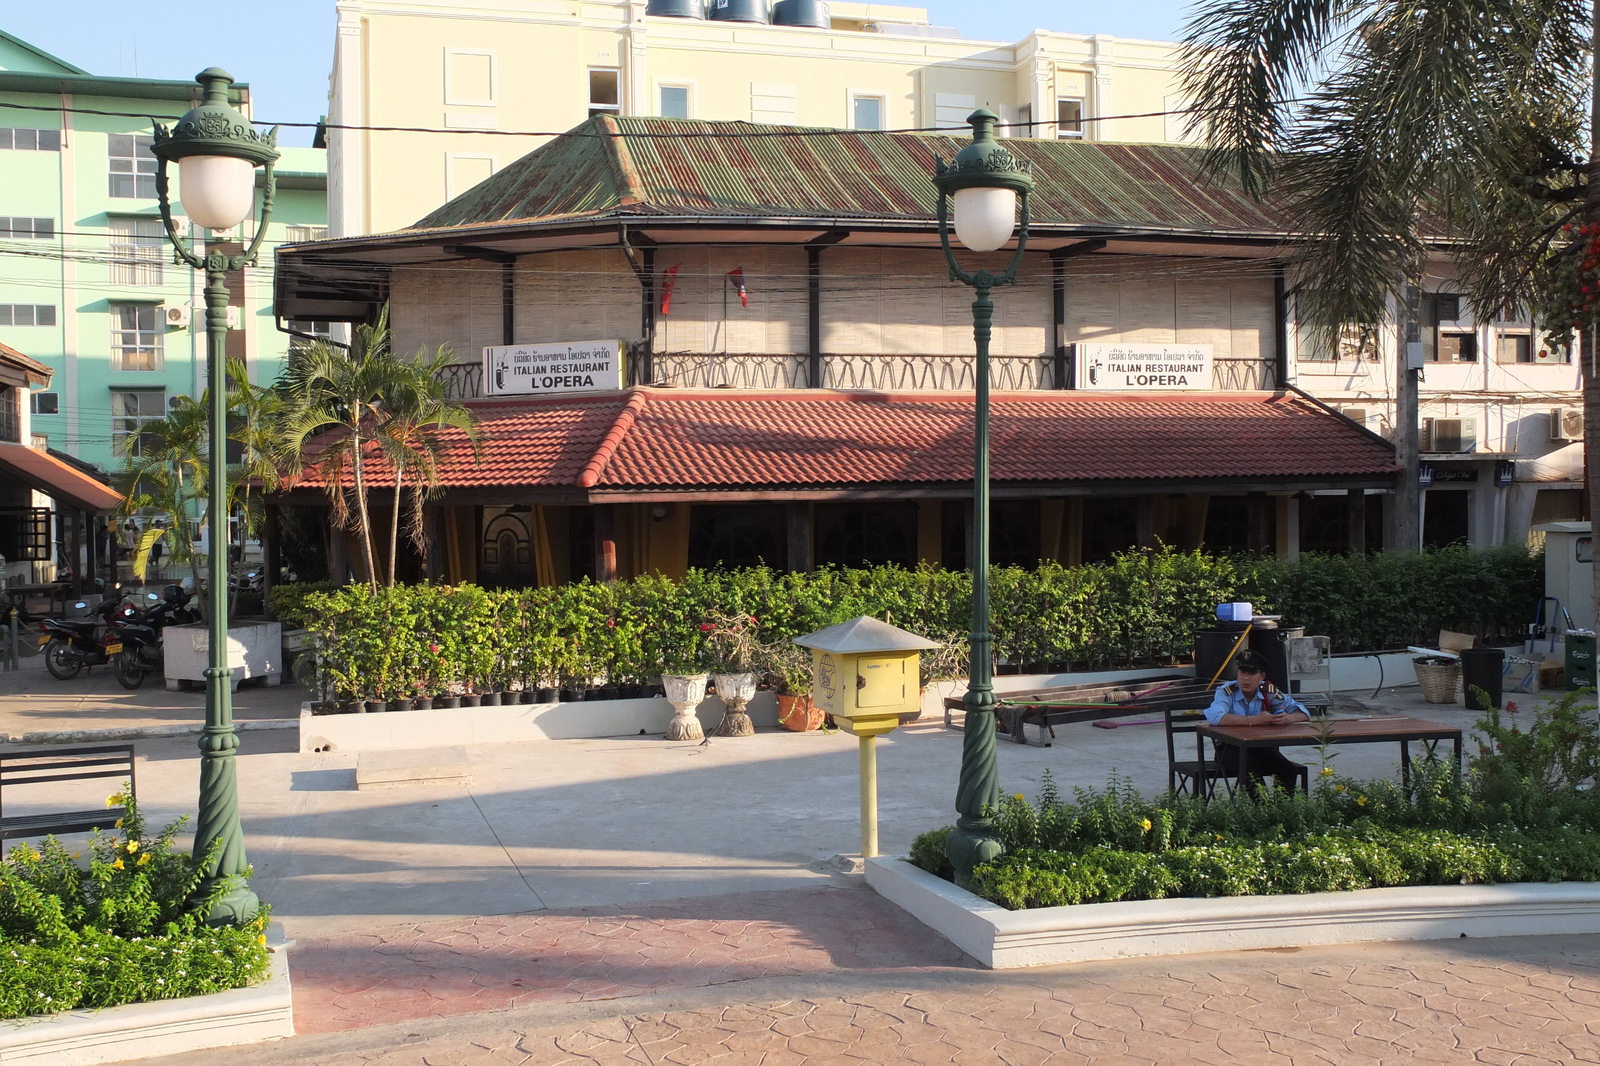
(60, 481)
(645, 440)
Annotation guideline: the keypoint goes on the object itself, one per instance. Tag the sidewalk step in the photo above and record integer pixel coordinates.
(387, 769)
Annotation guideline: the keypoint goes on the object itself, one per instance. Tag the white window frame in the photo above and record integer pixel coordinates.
(120, 348)
(11, 228)
(882, 100)
(602, 109)
(1083, 114)
(450, 191)
(136, 258)
(36, 403)
(689, 88)
(126, 428)
(449, 64)
(8, 139)
(142, 165)
(8, 315)
(301, 234)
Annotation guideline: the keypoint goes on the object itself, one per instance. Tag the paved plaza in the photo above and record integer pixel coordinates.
(629, 900)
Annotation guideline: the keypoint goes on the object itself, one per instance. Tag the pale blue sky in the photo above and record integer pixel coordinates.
(286, 54)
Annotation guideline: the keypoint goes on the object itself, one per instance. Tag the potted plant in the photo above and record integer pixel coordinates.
(735, 654)
(683, 679)
(788, 674)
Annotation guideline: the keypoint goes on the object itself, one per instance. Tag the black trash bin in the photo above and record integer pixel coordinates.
(1481, 668)
(1214, 650)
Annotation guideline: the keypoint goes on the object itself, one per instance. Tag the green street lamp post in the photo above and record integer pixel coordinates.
(217, 152)
(985, 181)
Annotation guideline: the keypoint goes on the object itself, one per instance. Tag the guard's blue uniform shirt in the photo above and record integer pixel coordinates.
(1231, 700)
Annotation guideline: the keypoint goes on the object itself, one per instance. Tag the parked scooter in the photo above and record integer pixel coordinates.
(141, 636)
(71, 645)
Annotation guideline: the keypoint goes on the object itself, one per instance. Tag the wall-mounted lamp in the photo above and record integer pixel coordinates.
(658, 512)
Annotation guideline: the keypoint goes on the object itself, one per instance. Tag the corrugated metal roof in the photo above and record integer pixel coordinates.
(653, 166)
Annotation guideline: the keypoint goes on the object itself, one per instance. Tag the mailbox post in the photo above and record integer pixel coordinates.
(866, 674)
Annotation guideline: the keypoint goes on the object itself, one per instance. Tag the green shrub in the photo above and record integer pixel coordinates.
(123, 924)
(928, 852)
(288, 602)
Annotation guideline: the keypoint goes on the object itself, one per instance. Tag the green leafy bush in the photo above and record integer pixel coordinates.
(123, 924)
(1141, 608)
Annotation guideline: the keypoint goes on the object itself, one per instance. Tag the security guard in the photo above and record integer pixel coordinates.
(1252, 701)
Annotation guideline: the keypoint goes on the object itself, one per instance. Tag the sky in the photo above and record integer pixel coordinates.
(286, 55)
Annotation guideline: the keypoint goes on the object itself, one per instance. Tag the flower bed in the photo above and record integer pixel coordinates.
(121, 924)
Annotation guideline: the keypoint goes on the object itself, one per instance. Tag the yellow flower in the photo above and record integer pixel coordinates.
(111, 801)
(1338, 788)
(117, 865)
(1326, 771)
(144, 859)
(1361, 801)
(133, 846)
(118, 823)
(1021, 798)
(1219, 836)
(261, 938)
(1146, 825)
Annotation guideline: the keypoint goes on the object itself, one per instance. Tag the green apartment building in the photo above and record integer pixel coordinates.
(88, 285)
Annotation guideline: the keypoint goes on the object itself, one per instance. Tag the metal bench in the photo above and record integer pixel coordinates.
(42, 766)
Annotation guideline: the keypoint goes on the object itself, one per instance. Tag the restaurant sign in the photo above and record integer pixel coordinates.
(576, 366)
(1144, 367)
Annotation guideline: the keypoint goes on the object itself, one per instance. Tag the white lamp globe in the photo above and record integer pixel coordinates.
(217, 191)
(985, 217)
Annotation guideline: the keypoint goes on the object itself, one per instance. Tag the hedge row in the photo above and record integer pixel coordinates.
(1141, 608)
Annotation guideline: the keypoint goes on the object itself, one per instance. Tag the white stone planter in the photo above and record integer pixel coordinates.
(254, 650)
(735, 691)
(400, 730)
(1002, 939)
(685, 692)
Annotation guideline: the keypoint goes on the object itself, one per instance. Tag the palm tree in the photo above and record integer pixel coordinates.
(254, 424)
(336, 402)
(168, 464)
(1383, 125)
(412, 438)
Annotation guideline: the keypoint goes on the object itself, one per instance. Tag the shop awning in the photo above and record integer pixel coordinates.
(60, 481)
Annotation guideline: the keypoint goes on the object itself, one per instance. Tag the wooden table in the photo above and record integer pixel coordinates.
(1337, 731)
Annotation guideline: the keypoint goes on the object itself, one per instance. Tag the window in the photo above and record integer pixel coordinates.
(1457, 348)
(1312, 344)
(866, 112)
(39, 229)
(1069, 118)
(674, 101)
(45, 403)
(30, 140)
(605, 95)
(137, 247)
(320, 330)
(1515, 348)
(133, 167)
(298, 234)
(27, 315)
(136, 335)
(130, 411)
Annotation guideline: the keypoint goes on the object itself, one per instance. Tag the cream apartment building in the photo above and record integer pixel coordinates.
(480, 71)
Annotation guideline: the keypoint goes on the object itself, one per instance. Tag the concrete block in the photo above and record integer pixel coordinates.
(425, 766)
(254, 650)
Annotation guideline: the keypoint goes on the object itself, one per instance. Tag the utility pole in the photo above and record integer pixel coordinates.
(1403, 523)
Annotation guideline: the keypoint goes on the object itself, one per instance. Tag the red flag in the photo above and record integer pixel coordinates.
(736, 275)
(666, 289)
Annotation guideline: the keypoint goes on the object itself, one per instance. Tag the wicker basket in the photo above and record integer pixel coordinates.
(1440, 682)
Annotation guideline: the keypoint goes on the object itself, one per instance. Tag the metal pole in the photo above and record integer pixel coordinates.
(973, 840)
(219, 792)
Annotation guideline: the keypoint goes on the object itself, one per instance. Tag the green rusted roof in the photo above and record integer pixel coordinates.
(653, 167)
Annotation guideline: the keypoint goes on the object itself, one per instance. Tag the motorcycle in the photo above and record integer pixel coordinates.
(141, 636)
(71, 645)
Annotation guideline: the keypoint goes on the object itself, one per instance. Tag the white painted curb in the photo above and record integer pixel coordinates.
(1002, 939)
(143, 1030)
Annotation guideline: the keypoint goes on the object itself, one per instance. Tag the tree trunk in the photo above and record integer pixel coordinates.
(1589, 357)
(361, 513)
(394, 523)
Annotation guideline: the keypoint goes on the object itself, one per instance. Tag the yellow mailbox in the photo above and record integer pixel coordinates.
(865, 673)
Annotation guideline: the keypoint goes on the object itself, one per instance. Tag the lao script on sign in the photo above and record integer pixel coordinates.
(1144, 367)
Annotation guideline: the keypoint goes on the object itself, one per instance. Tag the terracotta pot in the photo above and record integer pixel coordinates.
(798, 714)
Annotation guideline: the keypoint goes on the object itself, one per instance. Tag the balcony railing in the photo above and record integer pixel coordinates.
(884, 373)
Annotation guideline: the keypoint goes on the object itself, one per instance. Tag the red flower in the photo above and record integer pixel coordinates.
(1511, 706)
(707, 627)
(434, 648)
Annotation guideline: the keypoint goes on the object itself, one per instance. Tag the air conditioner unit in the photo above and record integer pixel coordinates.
(235, 316)
(180, 225)
(175, 314)
(1566, 423)
(1447, 435)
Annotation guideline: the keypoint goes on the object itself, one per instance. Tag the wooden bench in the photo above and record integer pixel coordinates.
(42, 766)
(1046, 708)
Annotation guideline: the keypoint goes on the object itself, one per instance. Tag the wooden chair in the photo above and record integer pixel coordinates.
(1195, 776)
